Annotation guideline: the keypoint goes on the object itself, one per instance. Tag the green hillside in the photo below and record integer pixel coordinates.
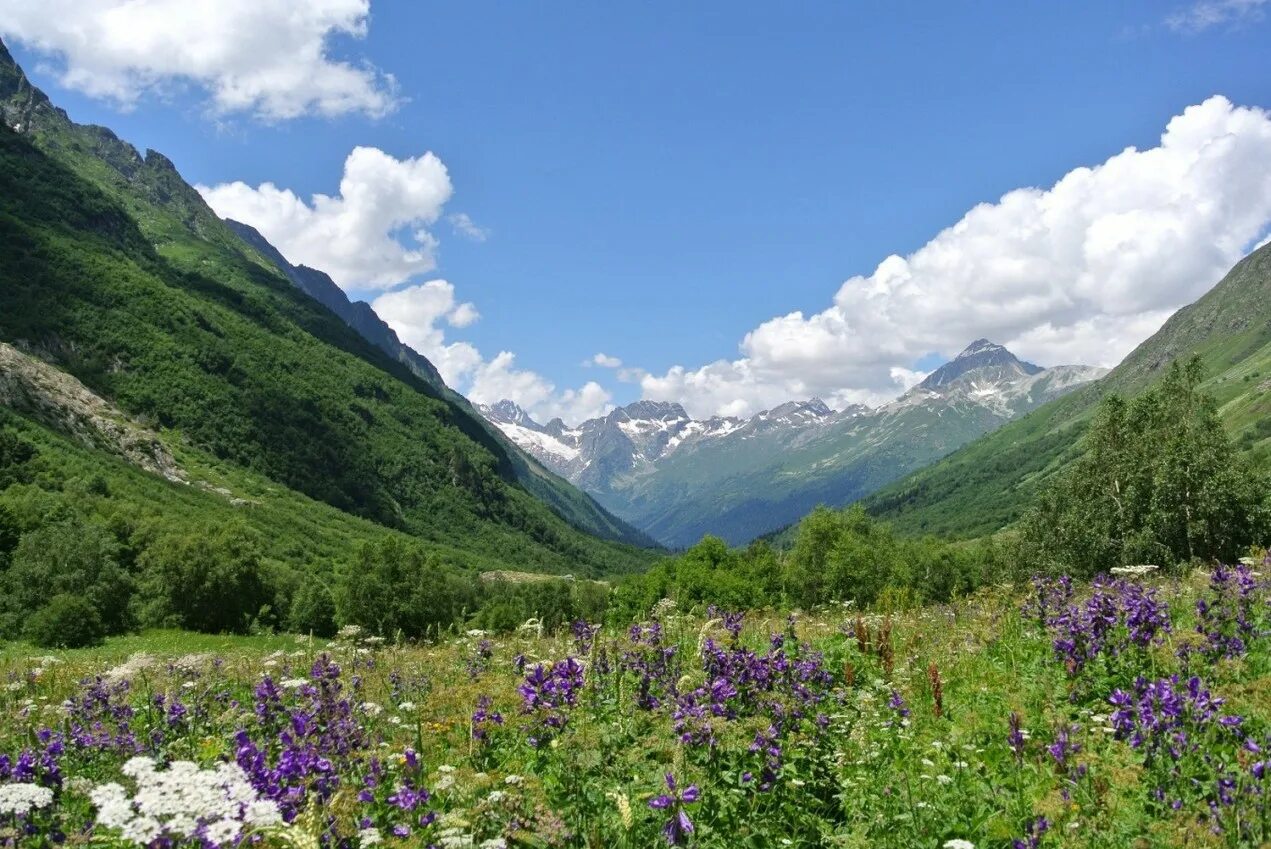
(989, 483)
(115, 271)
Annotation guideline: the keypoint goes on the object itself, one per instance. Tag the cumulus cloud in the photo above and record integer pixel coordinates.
(418, 313)
(1079, 272)
(372, 235)
(606, 361)
(415, 313)
(265, 57)
(1205, 14)
(464, 225)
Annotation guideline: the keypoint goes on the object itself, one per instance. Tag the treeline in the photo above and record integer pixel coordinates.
(72, 581)
(837, 556)
(1159, 481)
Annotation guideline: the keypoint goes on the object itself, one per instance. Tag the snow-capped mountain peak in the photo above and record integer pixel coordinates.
(981, 360)
(508, 412)
(629, 449)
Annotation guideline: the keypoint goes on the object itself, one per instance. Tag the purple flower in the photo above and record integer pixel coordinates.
(1033, 834)
(546, 692)
(678, 826)
(1015, 737)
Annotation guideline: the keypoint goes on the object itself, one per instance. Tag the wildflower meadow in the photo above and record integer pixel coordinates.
(1131, 711)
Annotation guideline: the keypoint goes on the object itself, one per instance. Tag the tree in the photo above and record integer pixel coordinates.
(1159, 482)
(394, 586)
(67, 557)
(15, 453)
(204, 578)
(313, 609)
(66, 622)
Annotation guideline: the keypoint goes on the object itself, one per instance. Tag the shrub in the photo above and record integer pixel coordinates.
(66, 622)
(313, 610)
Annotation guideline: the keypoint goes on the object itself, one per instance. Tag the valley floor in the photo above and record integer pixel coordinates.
(1130, 713)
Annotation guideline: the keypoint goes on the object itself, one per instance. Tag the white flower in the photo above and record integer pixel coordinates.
(23, 798)
(143, 830)
(494, 797)
(406, 707)
(368, 837)
(138, 766)
(513, 779)
(944, 779)
(262, 813)
(223, 831)
(293, 683)
(494, 843)
(958, 843)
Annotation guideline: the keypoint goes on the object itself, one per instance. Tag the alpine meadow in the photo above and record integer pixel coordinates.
(449, 441)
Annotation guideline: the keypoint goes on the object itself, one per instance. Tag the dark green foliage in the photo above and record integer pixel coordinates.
(15, 454)
(1159, 483)
(506, 606)
(9, 535)
(201, 338)
(65, 557)
(312, 610)
(67, 622)
(394, 587)
(203, 578)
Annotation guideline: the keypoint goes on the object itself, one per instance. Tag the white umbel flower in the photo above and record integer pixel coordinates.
(21, 799)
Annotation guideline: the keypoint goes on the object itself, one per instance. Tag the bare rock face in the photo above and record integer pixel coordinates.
(56, 399)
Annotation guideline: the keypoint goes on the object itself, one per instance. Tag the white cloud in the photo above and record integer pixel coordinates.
(1205, 14)
(499, 379)
(1077, 273)
(417, 313)
(606, 361)
(266, 57)
(464, 225)
(463, 315)
(353, 236)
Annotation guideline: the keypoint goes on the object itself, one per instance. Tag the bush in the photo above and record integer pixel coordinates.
(66, 622)
(206, 579)
(313, 610)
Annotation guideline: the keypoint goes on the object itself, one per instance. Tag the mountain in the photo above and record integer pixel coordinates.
(678, 478)
(988, 483)
(118, 275)
(356, 314)
(570, 503)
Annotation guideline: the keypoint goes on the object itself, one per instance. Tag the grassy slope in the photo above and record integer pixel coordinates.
(987, 484)
(156, 306)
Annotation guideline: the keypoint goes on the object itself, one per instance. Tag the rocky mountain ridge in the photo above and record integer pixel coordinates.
(653, 464)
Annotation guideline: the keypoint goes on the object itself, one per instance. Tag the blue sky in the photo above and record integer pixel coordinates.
(658, 180)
